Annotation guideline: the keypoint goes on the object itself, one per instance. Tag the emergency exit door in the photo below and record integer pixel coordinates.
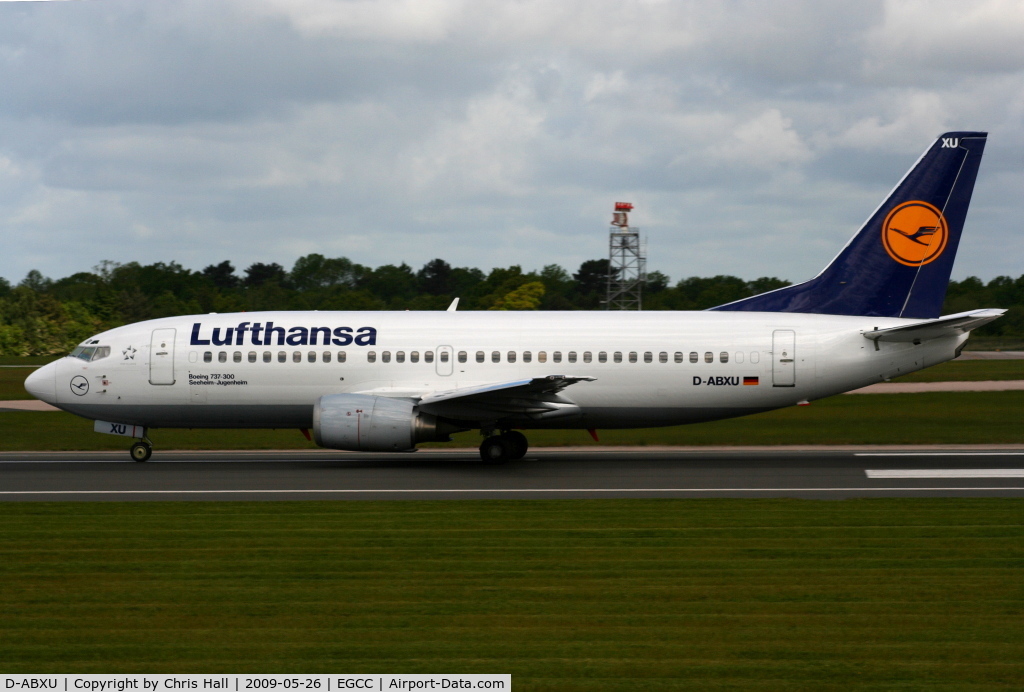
(443, 363)
(161, 356)
(784, 358)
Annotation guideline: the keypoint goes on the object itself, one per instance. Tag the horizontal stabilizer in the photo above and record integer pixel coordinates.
(951, 325)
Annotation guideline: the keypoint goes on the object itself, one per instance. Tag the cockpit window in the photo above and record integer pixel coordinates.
(90, 353)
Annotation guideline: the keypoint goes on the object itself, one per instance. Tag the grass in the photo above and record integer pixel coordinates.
(934, 418)
(28, 361)
(995, 343)
(564, 595)
(968, 371)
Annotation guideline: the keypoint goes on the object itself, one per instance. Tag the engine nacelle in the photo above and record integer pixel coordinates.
(361, 423)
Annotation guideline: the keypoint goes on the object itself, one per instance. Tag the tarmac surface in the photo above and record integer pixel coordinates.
(800, 472)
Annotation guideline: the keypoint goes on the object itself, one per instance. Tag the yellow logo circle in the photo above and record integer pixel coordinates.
(915, 233)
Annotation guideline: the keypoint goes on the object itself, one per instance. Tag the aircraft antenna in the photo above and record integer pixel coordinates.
(627, 262)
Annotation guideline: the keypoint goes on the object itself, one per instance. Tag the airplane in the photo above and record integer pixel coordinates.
(386, 381)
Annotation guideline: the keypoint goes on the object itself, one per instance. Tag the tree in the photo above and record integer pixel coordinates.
(435, 278)
(316, 271)
(259, 274)
(526, 297)
(222, 275)
(36, 282)
(591, 283)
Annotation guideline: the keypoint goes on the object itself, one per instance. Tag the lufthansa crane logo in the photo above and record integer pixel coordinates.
(915, 233)
(79, 385)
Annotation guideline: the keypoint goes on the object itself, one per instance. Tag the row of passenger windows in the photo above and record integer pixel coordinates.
(480, 356)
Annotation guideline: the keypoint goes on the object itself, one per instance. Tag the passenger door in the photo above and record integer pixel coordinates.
(161, 356)
(784, 358)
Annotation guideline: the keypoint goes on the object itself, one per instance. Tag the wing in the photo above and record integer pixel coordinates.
(535, 399)
(951, 325)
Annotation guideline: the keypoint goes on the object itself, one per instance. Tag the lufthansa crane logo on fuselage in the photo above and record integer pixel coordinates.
(915, 233)
(79, 385)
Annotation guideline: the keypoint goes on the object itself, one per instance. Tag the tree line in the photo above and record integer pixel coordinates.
(43, 316)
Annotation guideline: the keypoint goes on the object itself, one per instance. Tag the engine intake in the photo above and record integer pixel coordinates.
(361, 423)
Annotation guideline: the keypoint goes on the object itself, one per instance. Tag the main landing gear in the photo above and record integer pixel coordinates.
(508, 446)
(141, 450)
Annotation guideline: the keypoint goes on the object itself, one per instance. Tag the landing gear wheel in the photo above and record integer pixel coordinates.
(496, 450)
(518, 444)
(141, 451)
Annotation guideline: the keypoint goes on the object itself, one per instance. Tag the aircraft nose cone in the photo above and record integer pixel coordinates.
(42, 384)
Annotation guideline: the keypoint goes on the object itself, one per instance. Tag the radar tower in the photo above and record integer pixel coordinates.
(627, 262)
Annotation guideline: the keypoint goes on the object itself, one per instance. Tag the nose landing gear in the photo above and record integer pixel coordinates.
(508, 446)
(141, 450)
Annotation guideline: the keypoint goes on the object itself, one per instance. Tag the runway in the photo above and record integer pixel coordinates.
(548, 473)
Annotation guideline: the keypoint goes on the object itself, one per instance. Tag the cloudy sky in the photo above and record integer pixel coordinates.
(753, 137)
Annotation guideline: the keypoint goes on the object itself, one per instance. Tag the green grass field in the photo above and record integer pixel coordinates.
(564, 595)
(935, 418)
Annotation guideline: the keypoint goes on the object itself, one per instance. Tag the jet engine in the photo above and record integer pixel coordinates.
(361, 423)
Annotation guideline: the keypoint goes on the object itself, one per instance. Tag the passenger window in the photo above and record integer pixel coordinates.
(542, 356)
(709, 357)
(480, 356)
(463, 356)
(385, 356)
(252, 356)
(341, 356)
(266, 356)
(443, 356)
(371, 356)
(557, 356)
(617, 356)
(495, 357)
(693, 356)
(632, 357)
(755, 356)
(723, 356)
(327, 357)
(237, 357)
(511, 356)
(222, 357)
(414, 356)
(572, 356)
(282, 357)
(739, 356)
(296, 356)
(663, 357)
(207, 357)
(311, 356)
(679, 356)
(602, 357)
(428, 356)
(400, 357)
(587, 357)
(527, 356)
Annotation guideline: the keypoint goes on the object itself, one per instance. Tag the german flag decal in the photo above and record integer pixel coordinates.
(750, 380)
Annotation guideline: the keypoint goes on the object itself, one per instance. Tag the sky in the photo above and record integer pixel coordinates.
(753, 138)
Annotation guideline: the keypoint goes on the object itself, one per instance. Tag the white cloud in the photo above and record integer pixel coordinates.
(754, 137)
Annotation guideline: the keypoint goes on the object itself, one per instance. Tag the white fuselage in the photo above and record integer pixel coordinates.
(651, 368)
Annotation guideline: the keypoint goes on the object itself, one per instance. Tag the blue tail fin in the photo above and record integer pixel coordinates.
(898, 264)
